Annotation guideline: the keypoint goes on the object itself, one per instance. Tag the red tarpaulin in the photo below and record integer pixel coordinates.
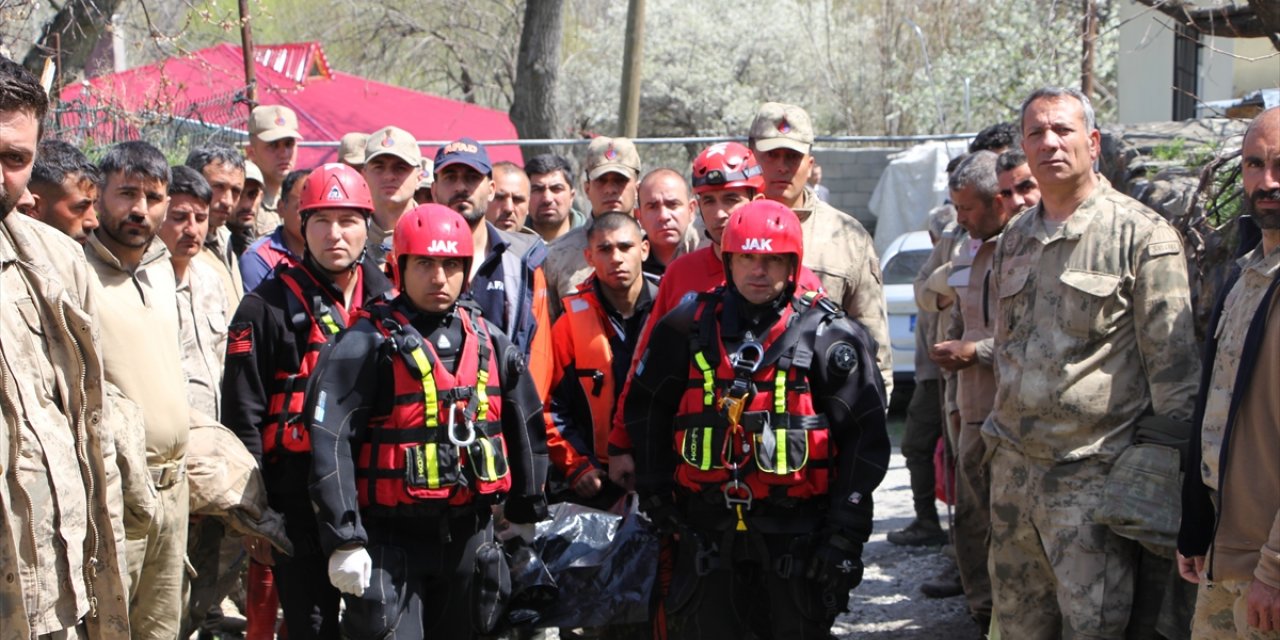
(201, 87)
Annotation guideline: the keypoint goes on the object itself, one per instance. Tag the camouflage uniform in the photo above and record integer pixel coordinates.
(841, 253)
(1220, 606)
(58, 555)
(268, 217)
(141, 343)
(217, 253)
(1093, 328)
(202, 314)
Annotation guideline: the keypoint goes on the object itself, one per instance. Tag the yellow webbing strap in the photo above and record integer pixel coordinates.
(428, 387)
(780, 408)
(708, 379)
(432, 465)
(482, 398)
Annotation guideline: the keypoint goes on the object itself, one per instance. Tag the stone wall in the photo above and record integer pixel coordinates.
(851, 175)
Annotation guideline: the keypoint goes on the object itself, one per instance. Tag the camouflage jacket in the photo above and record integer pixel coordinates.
(64, 291)
(1093, 329)
(840, 252)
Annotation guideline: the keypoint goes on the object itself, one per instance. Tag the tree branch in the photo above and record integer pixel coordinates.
(1232, 21)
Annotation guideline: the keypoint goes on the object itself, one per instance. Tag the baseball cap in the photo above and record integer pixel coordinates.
(781, 126)
(394, 141)
(612, 155)
(468, 152)
(272, 122)
(351, 148)
(252, 172)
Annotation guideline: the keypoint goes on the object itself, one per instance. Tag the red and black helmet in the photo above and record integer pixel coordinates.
(727, 165)
(433, 230)
(764, 227)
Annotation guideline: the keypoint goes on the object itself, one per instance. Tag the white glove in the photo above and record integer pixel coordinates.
(350, 569)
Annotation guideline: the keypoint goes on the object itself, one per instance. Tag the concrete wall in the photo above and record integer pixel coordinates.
(1145, 67)
(851, 175)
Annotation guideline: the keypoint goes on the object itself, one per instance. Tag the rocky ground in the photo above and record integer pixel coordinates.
(889, 604)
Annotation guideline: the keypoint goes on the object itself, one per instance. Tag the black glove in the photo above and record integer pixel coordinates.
(837, 563)
(662, 511)
(525, 510)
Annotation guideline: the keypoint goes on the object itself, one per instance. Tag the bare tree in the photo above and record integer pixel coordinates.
(1257, 19)
(533, 103)
(71, 34)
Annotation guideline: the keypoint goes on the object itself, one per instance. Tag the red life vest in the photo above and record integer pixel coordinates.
(781, 446)
(593, 363)
(419, 454)
(286, 433)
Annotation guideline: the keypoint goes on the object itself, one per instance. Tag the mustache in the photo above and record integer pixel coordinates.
(1259, 195)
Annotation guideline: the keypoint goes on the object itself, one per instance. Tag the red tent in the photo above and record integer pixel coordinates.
(202, 88)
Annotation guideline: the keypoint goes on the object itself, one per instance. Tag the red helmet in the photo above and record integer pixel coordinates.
(337, 186)
(433, 230)
(727, 165)
(763, 227)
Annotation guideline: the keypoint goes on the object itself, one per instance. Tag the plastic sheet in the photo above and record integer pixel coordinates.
(602, 566)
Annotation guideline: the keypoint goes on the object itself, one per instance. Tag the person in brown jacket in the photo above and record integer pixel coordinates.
(1229, 543)
(51, 399)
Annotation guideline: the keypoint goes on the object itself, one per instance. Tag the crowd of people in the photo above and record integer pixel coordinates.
(390, 358)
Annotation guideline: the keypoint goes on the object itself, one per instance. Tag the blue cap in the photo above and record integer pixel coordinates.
(464, 150)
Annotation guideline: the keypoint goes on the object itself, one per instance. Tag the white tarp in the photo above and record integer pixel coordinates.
(914, 183)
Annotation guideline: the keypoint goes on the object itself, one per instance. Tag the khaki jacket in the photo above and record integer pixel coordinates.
(66, 292)
(840, 252)
(1094, 328)
(141, 344)
(973, 320)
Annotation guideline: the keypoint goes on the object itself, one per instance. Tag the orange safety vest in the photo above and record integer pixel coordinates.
(286, 433)
(781, 446)
(442, 443)
(593, 363)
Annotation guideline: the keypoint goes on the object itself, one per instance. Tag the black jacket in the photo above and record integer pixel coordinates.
(854, 404)
(356, 378)
(262, 340)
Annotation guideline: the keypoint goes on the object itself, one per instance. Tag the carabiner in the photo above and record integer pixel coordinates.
(745, 497)
(747, 357)
(470, 427)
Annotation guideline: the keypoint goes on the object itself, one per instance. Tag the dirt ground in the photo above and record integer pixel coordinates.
(889, 604)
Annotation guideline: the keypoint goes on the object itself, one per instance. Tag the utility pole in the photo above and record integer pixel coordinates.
(1090, 38)
(632, 56)
(246, 45)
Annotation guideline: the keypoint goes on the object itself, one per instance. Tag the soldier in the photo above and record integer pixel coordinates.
(759, 430)
(351, 149)
(665, 210)
(391, 167)
(274, 341)
(141, 343)
(968, 354)
(273, 147)
(250, 202)
(1091, 333)
(423, 416)
(507, 283)
(58, 536)
(284, 246)
(551, 194)
(837, 248)
(225, 171)
(64, 186)
(588, 372)
(1231, 510)
(509, 207)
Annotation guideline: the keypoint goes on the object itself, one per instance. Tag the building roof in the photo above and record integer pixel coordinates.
(207, 87)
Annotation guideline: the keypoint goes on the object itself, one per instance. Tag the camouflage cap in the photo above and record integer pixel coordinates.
(781, 126)
(269, 123)
(612, 155)
(351, 148)
(394, 141)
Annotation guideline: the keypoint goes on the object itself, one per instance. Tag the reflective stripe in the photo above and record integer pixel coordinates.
(428, 389)
(706, 459)
(490, 461)
(433, 466)
(708, 379)
(482, 398)
(330, 327)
